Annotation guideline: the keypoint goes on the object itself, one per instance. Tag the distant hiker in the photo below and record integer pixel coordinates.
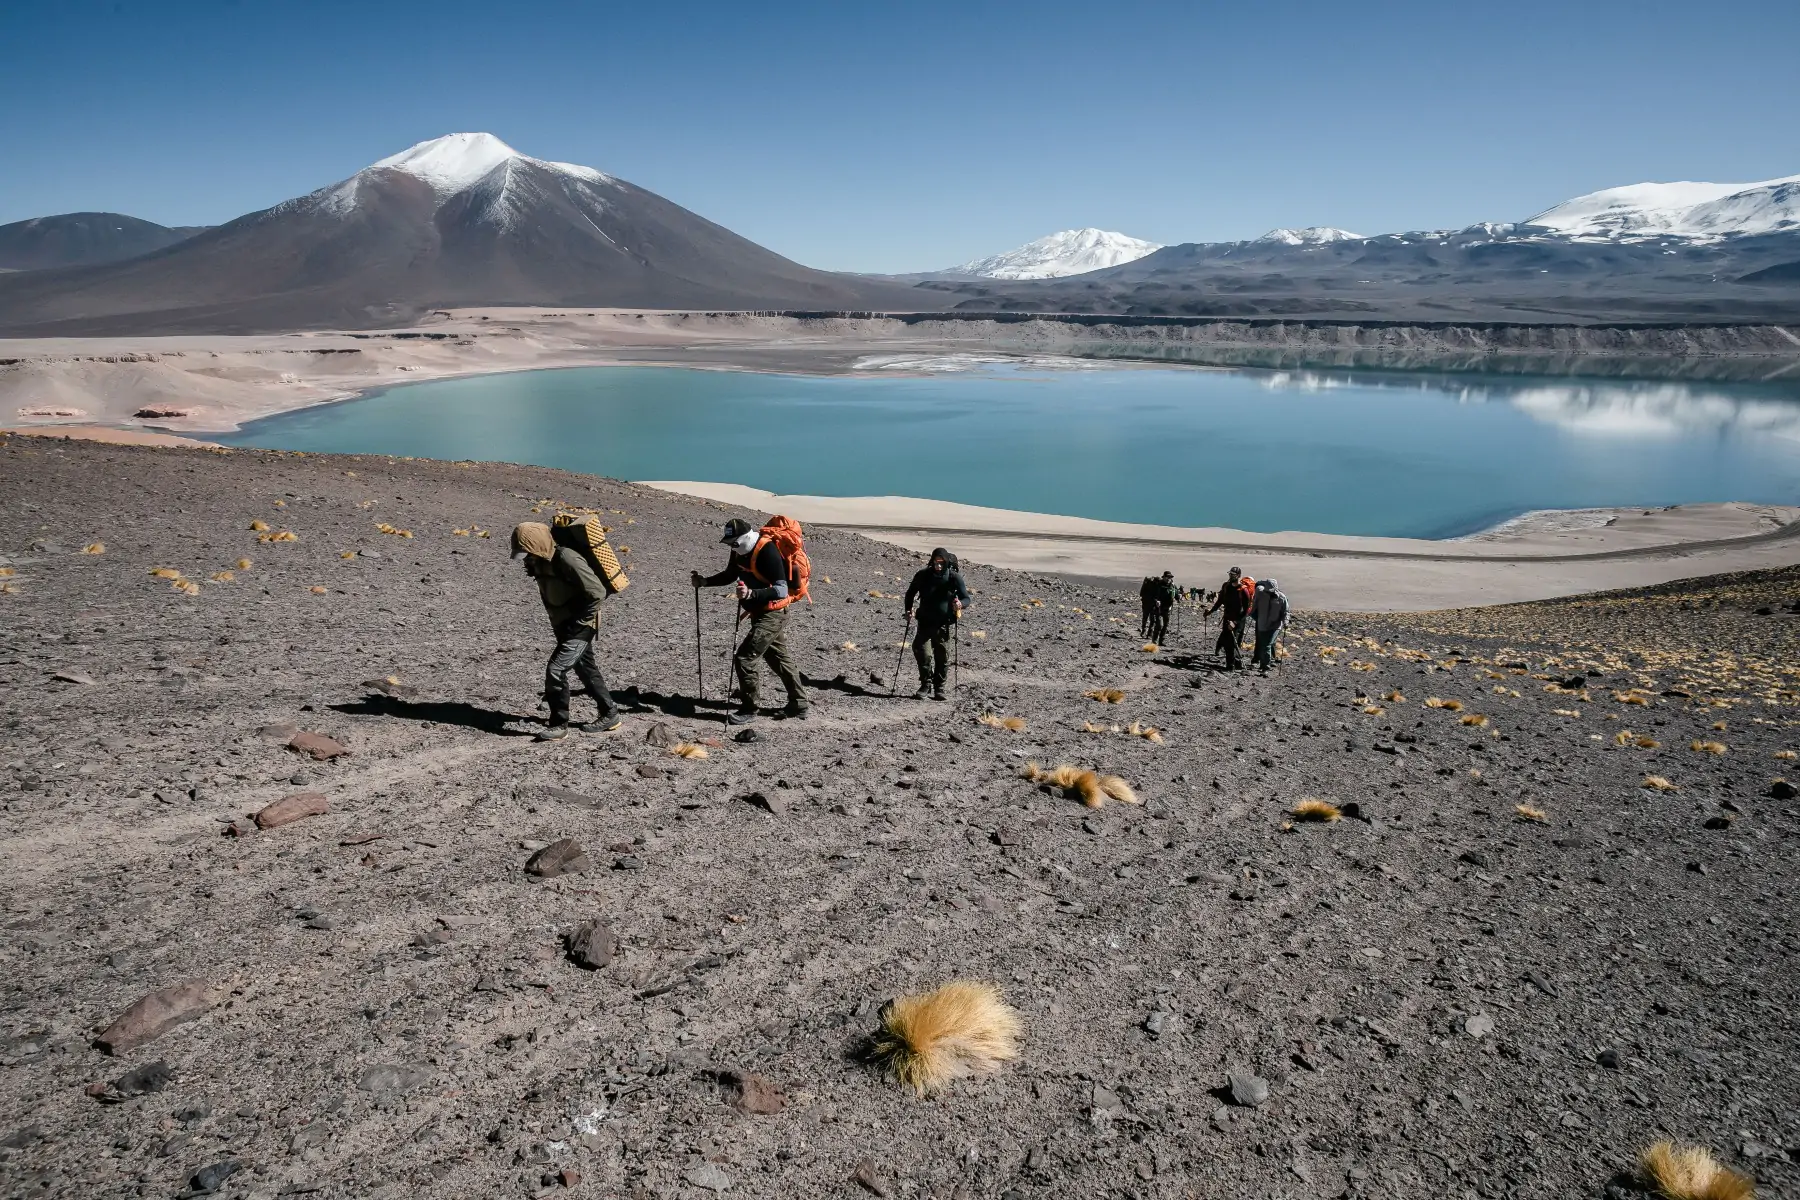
(770, 569)
(571, 591)
(937, 593)
(1146, 606)
(1269, 610)
(1162, 605)
(1234, 597)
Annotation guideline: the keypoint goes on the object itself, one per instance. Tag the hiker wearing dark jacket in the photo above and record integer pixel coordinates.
(571, 593)
(1269, 610)
(938, 594)
(1231, 625)
(761, 576)
(1162, 594)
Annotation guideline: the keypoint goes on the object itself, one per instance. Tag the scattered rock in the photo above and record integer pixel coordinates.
(1479, 1025)
(768, 803)
(1781, 789)
(747, 735)
(1250, 1091)
(593, 945)
(1610, 1059)
(649, 771)
(562, 857)
(210, 1179)
(753, 1093)
(25, 1135)
(869, 1178)
(70, 675)
(139, 1081)
(1718, 823)
(397, 1077)
(710, 1176)
(292, 808)
(1159, 1023)
(627, 862)
(1475, 858)
(155, 1013)
(317, 746)
(279, 732)
(1104, 1103)
(661, 735)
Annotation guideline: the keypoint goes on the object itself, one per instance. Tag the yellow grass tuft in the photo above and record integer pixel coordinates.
(850, 647)
(1394, 697)
(1632, 697)
(1373, 710)
(94, 548)
(1528, 813)
(1149, 647)
(165, 572)
(978, 634)
(1658, 783)
(346, 554)
(1623, 737)
(221, 577)
(258, 526)
(962, 1028)
(243, 564)
(283, 536)
(1106, 695)
(1450, 705)
(317, 590)
(1149, 733)
(459, 533)
(1311, 809)
(688, 750)
(1475, 719)
(1700, 747)
(186, 587)
(1647, 743)
(1719, 726)
(1691, 1173)
(1089, 787)
(1566, 712)
(1118, 789)
(992, 721)
(1359, 665)
(1784, 754)
(1091, 727)
(384, 527)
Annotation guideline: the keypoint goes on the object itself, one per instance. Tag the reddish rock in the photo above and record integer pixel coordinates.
(155, 1014)
(754, 1093)
(292, 808)
(562, 857)
(319, 746)
(568, 1178)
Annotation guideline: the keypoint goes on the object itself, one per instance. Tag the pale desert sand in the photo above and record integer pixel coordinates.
(1343, 574)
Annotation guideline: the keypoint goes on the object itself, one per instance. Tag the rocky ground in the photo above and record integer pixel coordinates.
(1437, 997)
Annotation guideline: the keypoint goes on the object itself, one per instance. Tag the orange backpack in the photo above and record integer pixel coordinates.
(785, 532)
(1247, 586)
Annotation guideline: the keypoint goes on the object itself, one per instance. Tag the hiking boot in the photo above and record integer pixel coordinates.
(796, 712)
(937, 693)
(924, 693)
(742, 716)
(604, 724)
(553, 733)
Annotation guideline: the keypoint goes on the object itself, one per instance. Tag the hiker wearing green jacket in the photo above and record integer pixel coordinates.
(571, 593)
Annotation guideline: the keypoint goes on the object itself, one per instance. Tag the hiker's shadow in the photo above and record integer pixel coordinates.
(442, 712)
(638, 700)
(840, 683)
(1190, 662)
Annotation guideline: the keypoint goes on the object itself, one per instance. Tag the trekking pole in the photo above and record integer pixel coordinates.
(956, 657)
(699, 657)
(900, 658)
(732, 647)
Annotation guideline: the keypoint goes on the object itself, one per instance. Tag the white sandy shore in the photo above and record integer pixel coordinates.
(144, 389)
(1524, 561)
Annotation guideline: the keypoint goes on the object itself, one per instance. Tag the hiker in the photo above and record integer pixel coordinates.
(1162, 605)
(1146, 606)
(1234, 597)
(765, 589)
(1269, 610)
(571, 592)
(938, 594)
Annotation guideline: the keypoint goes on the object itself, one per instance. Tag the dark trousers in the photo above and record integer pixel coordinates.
(1230, 633)
(1146, 618)
(574, 651)
(1265, 648)
(931, 649)
(766, 642)
(1159, 623)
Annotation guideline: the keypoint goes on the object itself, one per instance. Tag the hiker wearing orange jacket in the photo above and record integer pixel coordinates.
(760, 574)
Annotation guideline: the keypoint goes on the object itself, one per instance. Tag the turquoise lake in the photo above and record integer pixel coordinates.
(1359, 452)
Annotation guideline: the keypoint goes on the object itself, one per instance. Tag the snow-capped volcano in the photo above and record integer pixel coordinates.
(1696, 211)
(458, 220)
(1312, 235)
(1071, 252)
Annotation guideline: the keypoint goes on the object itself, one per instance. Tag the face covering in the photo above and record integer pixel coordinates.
(745, 544)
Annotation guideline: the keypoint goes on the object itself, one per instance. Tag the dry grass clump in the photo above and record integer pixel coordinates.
(1149, 733)
(242, 564)
(317, 590)
(1311, 809)
(1632, 697)
(1700, 747)
(1149, 647)
(284, 536)
(1092, 727)
(1566, 712)
(1719, 726)
(1475, 719)
(1394, 697)
(1372, 710)
(165, 573)
(849, 647)
(1448, 705)
(390, 530)
(962, 1028)
(1106, 695)
(1647, 743)
(1090, 787)
(1691, 1173)
(1784, 754)
(94, 548)
(186, 587)
(1658, 783)
(1359, 665)
(688, 750)
(258, 526)
(978, 634)
(222, 577)
(1012, 724)
(1528, 813)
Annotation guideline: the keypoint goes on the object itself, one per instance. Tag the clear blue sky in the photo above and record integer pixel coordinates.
(903, 136)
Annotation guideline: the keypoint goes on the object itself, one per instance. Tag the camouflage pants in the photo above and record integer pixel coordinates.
(766, 641)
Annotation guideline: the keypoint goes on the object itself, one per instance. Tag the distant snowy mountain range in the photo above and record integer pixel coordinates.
(1690, 212)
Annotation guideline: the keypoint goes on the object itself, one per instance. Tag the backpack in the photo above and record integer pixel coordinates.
(785, 532)
(587, 537)
(1247, 586)
(1146, 589)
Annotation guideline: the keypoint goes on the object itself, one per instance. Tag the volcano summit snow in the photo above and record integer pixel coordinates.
(1695, 211)
(1071, 252)
(456, 221)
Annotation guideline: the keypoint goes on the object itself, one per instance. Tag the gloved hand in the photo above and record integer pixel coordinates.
(696, 578)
